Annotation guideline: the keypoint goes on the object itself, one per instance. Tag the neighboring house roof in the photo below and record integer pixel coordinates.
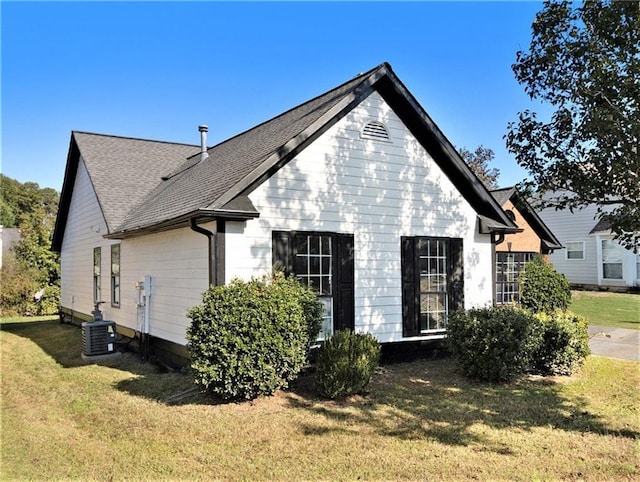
(603, 226)
(218, 186)
(503, 195)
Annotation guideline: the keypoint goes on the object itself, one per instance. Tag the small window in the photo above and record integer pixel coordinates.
(575, 250)
(97, 261)
(375, 130)
(115, 275)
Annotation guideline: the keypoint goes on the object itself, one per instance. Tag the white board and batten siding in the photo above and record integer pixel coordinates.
(176, 261)
(376, 190)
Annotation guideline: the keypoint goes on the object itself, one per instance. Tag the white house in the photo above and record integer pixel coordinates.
(356, 192)
(591, 257)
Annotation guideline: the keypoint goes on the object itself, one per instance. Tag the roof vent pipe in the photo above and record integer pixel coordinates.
(203, 142)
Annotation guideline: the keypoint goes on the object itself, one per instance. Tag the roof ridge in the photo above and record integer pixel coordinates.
(361, 75)
(185, 167)
(114, 136)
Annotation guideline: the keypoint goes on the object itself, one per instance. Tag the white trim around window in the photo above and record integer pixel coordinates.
(574, 250)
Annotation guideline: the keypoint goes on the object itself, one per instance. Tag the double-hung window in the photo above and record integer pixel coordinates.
(611, 259)
(575, 249)
(323, 261)
(432, 283)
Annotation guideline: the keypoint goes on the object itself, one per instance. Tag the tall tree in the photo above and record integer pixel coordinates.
(31, 266)
(479, 161)
(584, 60)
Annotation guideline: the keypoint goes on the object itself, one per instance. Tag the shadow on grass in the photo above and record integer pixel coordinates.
(63, 343)
(411, 400)
(429, 399)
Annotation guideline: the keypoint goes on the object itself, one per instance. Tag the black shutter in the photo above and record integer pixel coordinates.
(456, 280)
(344, 290)
(282, 257)
(410, 293)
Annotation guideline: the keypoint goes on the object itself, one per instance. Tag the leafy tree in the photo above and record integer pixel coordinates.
(584, 60)
(32, 265)
(479, 161)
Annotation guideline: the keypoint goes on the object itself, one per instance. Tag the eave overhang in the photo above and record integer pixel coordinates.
(489, 226)
(200, 215)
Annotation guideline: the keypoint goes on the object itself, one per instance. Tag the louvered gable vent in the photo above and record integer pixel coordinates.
(375, 130)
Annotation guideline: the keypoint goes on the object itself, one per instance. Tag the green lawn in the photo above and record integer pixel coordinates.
(620, 310)
(64, 419)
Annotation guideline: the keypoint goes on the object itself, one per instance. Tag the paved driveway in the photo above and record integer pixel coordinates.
(614, 342)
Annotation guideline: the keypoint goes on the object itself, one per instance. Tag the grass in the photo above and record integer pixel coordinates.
(619, 310)
(64, 419)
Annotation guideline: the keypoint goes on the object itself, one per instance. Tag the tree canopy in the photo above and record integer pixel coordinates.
(31, 266)
(584, 60)
(479, 161)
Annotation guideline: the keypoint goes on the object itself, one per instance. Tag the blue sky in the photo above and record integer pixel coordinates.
(158, 70)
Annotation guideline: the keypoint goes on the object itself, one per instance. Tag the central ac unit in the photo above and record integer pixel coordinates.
(98, 338)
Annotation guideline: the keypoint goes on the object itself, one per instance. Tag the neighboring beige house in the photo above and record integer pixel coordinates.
(356, 192)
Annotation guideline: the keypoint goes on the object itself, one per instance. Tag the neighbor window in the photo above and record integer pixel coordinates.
(575, 250)
(611, 260)
(432, 283)
(508, 268)
(97, 260)
(115, 275)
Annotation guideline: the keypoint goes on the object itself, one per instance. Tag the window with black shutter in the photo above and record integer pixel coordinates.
(324, 262)
(432, 283)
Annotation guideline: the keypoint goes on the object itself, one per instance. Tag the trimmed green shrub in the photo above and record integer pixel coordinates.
(565, 343)
(346, 362)
(251, 338)
(493, 344)
(542, 289)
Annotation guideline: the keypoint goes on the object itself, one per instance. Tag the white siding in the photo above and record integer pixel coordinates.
(379, 191)
(575, 227)
(84, 231)
(176, 261)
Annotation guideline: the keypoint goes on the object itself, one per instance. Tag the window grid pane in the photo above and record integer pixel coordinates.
(434, 299)
(508, 268)
(313, 263)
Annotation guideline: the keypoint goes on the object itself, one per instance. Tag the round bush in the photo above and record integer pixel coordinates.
(542, 289)
(493, 344)
(251, 338)
(565, 343)
(346, 362)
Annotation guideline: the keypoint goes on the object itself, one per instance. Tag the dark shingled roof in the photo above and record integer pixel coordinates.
(123, 171)
(502, 195)
(197, 186)
(146, 186)
(603, 225)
